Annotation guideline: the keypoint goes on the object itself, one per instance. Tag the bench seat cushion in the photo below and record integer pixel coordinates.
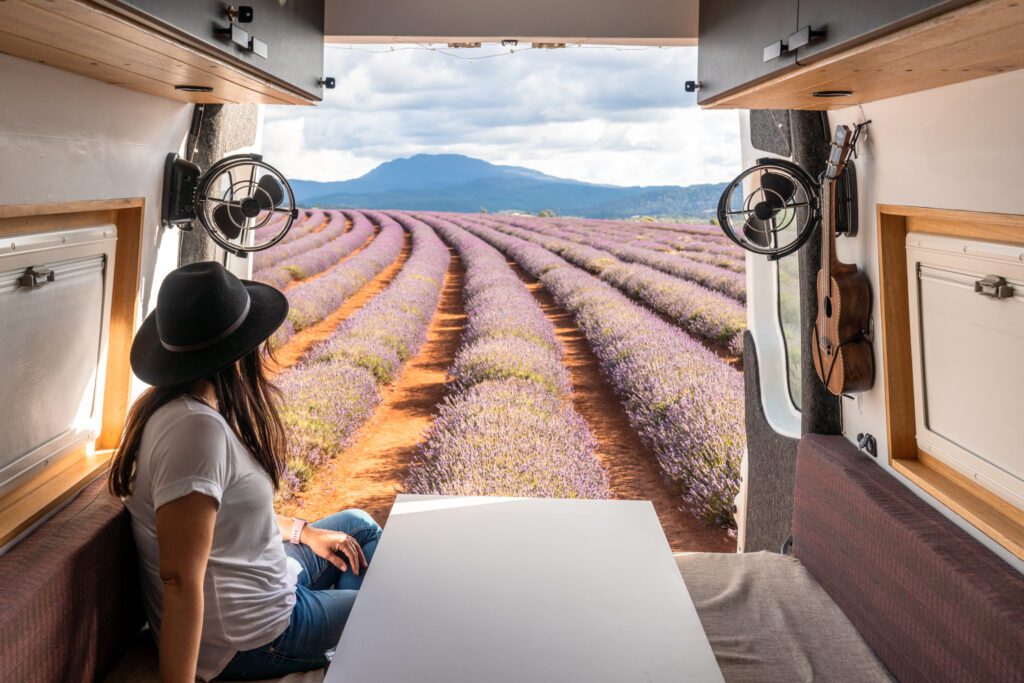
(139, 664)
(69, 593)
(768, 620)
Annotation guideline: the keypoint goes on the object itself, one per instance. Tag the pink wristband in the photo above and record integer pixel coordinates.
(297, 525)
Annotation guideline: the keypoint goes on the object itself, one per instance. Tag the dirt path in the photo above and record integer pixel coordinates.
(369, 473)
(632, 469)
(296, 347)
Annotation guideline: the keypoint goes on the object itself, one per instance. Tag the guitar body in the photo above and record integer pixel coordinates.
(843, 357)
(842, 354)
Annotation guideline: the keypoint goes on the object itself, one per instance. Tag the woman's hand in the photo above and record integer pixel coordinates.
(327, 544)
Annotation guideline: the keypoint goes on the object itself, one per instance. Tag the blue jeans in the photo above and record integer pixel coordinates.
(323, 599)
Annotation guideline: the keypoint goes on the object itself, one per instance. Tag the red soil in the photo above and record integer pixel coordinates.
(369, 473)
(296, 347)
(323, 224)
(631, 466)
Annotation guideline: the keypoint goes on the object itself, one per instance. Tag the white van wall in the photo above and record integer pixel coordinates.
(957, 147)
(65, 137)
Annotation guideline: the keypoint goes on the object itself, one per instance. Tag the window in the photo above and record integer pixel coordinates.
(788, 269)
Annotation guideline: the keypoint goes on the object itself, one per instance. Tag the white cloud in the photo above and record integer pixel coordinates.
(596, 114)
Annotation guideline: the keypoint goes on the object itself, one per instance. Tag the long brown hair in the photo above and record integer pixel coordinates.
(247, 400)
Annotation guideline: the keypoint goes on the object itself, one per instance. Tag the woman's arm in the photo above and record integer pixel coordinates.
(184, 532)
(327, 544)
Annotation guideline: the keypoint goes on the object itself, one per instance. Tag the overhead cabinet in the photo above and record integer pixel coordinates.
(733, 36)
(822, 54)
(268, 52)
(285, 40)
(844, 24)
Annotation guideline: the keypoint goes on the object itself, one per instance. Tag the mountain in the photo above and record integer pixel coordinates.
(452, 182)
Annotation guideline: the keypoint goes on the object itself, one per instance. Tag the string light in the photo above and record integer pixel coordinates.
(504, 53)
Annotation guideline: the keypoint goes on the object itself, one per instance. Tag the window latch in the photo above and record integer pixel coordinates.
(994, 287)
(37, 276)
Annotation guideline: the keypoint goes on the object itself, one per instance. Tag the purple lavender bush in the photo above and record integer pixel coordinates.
(489, 359)
(310, 302)
(683, 401)
(706, 314)
(310, 240)
(389, 330)
(324, 404)
(719, 279)
(505, 427)
(508, 438)
(334, 391)
(318, 259)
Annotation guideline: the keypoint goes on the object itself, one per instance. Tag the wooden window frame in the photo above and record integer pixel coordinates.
(992, 515)
(45, 491)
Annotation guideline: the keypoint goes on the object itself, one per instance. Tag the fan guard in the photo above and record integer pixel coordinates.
(243, 203)
(771, 208)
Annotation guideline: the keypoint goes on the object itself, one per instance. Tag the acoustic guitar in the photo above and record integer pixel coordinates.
(842, 354)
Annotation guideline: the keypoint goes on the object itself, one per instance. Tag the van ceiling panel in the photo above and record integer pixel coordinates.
(608, 22)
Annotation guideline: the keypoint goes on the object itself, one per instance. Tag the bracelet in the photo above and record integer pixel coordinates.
(297, 525)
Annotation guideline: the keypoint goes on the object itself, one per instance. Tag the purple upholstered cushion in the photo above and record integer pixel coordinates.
(69, 593)
(932, 602)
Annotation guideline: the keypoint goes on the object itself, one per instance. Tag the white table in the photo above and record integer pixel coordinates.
(527, 590)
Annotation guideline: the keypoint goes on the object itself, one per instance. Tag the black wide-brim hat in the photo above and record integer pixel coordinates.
(205, 320)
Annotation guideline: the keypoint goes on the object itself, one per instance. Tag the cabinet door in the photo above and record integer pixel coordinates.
(849, 22)
(733, 35)
(293, 33)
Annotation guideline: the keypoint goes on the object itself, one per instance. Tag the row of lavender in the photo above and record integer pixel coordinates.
(706, 314)
(712, 248)
(318, 228)
(313, 300)
(718, 279)
(305, 222)
(505, 427)
(685, 403)
(320, 257)
(335, 389)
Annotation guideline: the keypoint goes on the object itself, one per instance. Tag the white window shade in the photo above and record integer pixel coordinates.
(55, 293)
(967, 357)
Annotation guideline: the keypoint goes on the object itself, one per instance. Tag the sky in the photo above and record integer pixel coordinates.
(605, 115)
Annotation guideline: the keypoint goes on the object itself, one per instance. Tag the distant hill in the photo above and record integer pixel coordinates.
(452, 182)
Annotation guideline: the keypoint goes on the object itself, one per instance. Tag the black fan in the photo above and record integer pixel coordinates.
(243, 203)
(771, 208)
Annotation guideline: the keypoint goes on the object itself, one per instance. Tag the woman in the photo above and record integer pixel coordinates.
(230, 588)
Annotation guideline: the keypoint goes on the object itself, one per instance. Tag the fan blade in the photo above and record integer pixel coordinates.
(757, 231)
(273, 193)
(229, 220)
(778, 189)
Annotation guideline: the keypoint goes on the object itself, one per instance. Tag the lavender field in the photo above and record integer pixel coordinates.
(477, 354)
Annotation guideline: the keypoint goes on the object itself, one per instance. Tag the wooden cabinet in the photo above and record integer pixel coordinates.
(171, 49)
(734, 35)
(731, 41)
(849, 23)
(292, 32)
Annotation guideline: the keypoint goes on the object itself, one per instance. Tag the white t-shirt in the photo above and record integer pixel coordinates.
(249, 589)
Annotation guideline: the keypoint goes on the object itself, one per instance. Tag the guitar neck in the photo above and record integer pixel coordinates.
(828, 226)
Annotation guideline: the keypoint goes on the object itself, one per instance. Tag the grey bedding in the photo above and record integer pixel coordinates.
(769, 620)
